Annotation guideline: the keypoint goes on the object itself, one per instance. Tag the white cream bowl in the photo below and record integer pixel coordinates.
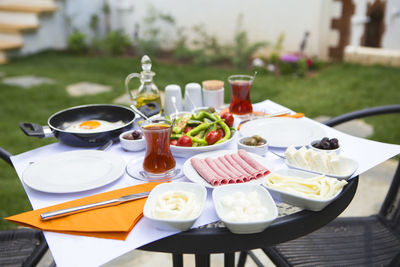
(200, 194)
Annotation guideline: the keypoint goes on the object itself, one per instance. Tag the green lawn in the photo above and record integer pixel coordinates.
(337, 89)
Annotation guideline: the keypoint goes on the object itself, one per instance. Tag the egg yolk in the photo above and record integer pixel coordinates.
(89, 125)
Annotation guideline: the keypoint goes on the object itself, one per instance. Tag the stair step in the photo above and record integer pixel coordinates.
(9, 27)
(6, 45)
(28, 8)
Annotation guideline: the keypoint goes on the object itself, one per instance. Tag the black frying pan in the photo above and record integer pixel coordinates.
(59, 121)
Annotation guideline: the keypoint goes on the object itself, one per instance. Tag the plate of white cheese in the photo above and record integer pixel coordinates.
(321, 162)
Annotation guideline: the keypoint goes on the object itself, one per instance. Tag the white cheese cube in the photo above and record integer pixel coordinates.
(289, 154)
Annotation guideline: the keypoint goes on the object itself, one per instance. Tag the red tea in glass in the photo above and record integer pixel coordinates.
(240, 85)
(158, 159)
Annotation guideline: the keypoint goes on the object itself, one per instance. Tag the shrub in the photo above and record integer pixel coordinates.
(116, 43)
(76, 42)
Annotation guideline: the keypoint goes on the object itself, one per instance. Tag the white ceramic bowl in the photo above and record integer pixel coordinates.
(297, 200)
(132, 145)
(259, 150)
(245, 227)
(187, 152)
(337, 150)
(200, 193)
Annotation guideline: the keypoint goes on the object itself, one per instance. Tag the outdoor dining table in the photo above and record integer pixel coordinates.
(207, 235)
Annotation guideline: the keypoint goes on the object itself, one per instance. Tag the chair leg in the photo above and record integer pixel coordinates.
(177, 260)
(255, 259)
(202, 260)
(242, 258)
(229, 259)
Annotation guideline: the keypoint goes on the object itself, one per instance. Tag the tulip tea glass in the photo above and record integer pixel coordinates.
(240, 85)
(158, 163)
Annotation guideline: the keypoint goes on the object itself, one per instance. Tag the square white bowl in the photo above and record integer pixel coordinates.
(245, 227)
(200, 193)
(298, 200)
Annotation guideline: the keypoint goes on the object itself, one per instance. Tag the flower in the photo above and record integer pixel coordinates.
(289, 58)
(309, 62)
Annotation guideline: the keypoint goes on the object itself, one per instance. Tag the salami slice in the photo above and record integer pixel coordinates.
(245, 166)
(252, 162)
(212, 164)
(205, 172)
(232, 169)
(221, 166)
(233, 164)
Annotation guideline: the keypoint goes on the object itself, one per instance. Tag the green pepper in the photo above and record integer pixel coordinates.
(204, 114)
(201, 127)
(194, 139)
(181, 123)
(224, 127)
(200, 135)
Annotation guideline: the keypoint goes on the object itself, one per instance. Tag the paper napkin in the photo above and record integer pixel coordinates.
(113, 222)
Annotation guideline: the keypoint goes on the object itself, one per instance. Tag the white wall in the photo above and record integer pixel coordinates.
(263, 20)
(391, 38)
(391, 35)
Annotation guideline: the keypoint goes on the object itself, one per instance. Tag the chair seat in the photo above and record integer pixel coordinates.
(22, 247)
(362, 241)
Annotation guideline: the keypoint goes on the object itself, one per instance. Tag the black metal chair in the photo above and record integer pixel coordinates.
(353, 241)
(20, 247)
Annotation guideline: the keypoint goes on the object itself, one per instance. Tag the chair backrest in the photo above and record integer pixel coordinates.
(390, 209)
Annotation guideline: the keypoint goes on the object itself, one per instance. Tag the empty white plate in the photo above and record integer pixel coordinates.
(283, 132)
(74, 171)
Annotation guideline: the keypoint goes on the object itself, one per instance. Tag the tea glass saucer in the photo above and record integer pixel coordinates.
(135, 170)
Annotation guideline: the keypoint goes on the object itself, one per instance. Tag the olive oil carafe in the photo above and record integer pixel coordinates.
(147, 91)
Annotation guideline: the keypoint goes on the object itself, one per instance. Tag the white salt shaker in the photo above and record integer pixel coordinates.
(193, 97)
(213, 93)
(172, 90)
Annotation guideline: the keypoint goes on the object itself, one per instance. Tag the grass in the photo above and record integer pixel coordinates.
(337, 89)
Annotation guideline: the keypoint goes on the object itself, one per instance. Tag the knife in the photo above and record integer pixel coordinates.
(107, 203)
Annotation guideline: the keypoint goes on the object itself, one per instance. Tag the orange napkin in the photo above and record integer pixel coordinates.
(113, 222)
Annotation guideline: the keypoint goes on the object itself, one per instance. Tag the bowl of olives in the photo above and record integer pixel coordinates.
(255, 144)
(326, 144)
(132, 140)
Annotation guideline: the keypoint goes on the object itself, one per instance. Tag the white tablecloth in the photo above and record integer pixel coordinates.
(71, 250)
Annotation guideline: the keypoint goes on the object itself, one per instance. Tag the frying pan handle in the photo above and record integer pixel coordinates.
(35, 130)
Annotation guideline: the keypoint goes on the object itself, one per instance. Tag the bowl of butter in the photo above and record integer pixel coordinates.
(175, 206)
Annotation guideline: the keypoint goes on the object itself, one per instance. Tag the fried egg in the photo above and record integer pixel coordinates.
(93, 126)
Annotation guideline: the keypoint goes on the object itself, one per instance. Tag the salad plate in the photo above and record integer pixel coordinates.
(190, 172)
(284, 132)
(185, 152)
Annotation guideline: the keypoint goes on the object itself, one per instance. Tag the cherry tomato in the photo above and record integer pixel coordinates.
(228, 117)
(213, 137)
(187, 129)
(184, 141)
(221, 132)
(173, 142)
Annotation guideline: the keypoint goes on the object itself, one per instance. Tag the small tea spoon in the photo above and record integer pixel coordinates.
(137, 111)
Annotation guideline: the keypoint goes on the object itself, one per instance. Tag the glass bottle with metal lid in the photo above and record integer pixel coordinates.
(147, 91)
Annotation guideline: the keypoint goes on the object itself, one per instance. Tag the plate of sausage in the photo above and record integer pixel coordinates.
(221, 167)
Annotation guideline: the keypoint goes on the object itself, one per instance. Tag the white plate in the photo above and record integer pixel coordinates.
(185, 152)
(193, 176)
(283, 132)
(351, 166)
(74, 171)
(297, 200)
